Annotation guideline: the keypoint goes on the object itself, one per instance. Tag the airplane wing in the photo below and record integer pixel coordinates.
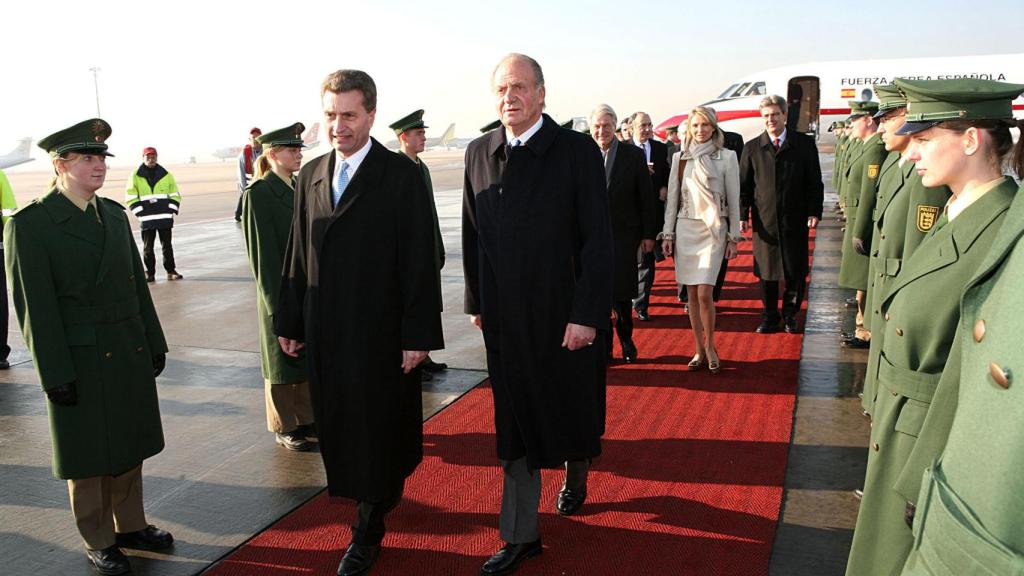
(19, 155)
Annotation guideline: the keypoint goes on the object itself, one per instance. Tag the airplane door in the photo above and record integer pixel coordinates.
(804, 99)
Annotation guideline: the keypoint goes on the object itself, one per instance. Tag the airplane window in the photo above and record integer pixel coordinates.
(739, 91)
(758, 89)
(727, 91)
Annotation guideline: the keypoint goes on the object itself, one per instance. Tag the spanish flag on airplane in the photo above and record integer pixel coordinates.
(849, 93)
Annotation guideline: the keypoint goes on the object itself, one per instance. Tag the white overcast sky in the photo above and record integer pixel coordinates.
(191, 77)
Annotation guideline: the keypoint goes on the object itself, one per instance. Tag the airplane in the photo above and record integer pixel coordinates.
(19, 155)
(310, 139)
(818, 93)
(446, 140)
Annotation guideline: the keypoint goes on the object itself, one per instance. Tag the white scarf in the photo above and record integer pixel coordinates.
(707, 207)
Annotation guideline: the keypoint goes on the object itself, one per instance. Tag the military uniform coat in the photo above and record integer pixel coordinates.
(438, 242)
(861, 185)
(538, 255)
(852, 148)
(267, 209)
(80, 295)
(780, 190)
(899, 227)
(970, 511)
(837, 156)
(359, 287)
(920, 312)
(634, 214)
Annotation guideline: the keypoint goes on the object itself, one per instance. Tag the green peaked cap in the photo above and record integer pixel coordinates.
(862, 108)
(491, 126)
(88, 136)
(959, 99)
(414, 120)
(891, 98)
(288, 136)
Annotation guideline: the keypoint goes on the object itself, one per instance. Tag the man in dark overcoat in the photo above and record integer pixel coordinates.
(362, 233)
(538, 261)
(657, 158)
(782, 192)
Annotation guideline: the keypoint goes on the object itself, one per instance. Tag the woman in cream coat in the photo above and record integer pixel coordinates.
(702, 223)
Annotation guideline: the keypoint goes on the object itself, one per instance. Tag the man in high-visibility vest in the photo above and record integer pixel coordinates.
(152, 195)
(8, 206)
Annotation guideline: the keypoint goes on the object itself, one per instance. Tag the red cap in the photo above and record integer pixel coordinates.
(255, 132)
(148, 150)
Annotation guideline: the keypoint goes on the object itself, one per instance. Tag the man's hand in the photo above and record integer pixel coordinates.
(647, 246)
(744, 227)
(290, 347)
(474, 319)
(812, 222)
(577, 336)
(858, 245)
(663, 193)
(159, 362)
(65, 395)
(412, 359)
(667, 246)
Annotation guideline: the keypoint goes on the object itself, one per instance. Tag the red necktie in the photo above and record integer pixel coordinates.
(775, 143)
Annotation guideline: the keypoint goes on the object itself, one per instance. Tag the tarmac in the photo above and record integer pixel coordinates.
(222, 479)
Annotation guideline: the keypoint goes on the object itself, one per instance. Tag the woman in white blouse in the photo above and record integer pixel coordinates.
(702, 223)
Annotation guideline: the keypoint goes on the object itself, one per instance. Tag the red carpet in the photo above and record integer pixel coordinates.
(690, 481)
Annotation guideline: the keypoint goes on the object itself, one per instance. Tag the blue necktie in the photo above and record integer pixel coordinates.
(515, 142)
(340, 183)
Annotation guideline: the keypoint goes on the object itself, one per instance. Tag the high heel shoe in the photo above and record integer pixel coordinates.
(695, 364)
(714, 366)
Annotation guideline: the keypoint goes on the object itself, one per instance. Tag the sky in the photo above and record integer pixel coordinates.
(192, 77)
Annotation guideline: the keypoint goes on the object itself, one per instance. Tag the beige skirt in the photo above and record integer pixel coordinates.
(698, 254)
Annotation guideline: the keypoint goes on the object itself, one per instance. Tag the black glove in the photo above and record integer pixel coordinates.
(159, 361)
(858, 245)
(65, 395)
(908, 514)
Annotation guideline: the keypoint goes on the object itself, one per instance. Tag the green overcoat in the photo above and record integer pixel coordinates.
(861, 184)
(837, 159)
(80, 295)
(900, 223)
(267, 208)
(970, 511)
(851, 148)
(920, 312)
(866, 223)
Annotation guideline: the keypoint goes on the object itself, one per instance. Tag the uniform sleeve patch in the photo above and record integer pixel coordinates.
(873, 171)
(926, 217)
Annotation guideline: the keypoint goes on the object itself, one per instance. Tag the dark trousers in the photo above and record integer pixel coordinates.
(369, 527)
(623, 322)
(645, 277)
(792, 297)
(576, 472)
(238, 208)
(520, 497)
(148, 242)
(5, 350)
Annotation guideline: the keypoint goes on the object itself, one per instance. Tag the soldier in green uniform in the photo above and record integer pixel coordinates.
(904, 212)
(970, 515)
(840, 149)
(80, 295)
(861, 171)
(959, 138)
(267, 207)
(412, 139)
(8, 205)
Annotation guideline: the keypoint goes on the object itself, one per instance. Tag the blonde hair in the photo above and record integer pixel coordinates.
(263, 164)
(711, 117)
(58, 180)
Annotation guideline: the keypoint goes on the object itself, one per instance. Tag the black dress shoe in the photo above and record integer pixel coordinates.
(109, 560)
(358, 559)
(294, 441)
(790, 325)
(570, 501)
(767, 327)
(506, 560)
(629, 352)
(150, 277)
(4, 364)
(855, 343)
(642, 315)
(430, 366)
(149, 538)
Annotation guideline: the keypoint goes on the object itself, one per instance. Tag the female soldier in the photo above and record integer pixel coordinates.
(960, 135)
(700, 196)
(267, 218)
(80, 295)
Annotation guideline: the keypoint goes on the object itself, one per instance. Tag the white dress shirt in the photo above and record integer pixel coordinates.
(509, 137)
(353, 161)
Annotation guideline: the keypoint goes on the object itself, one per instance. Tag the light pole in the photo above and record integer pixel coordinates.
(96, 84)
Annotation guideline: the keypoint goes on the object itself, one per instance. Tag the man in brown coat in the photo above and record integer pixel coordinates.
(782, 192)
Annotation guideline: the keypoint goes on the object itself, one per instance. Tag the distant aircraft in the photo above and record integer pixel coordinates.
(311, 138)
(819, 92)
(446, 141)
(19, 155)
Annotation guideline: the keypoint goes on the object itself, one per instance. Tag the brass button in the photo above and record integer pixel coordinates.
(875, 446)
(882, 236)
(109, 355)
(979, 330)
(139, 349)
(886, 316)
(895, 393)
(899, 332)
(1002, 377)
(879, 274)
